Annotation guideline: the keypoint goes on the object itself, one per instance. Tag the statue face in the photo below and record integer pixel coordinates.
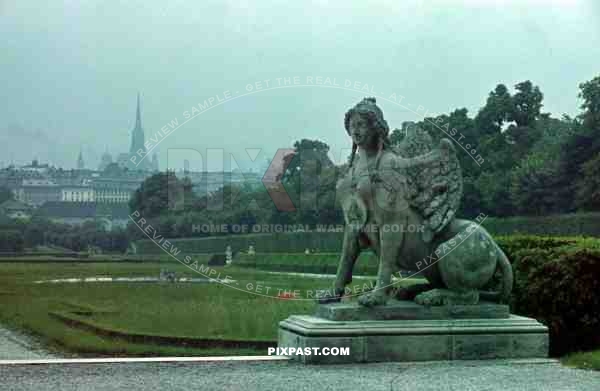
(361, 134)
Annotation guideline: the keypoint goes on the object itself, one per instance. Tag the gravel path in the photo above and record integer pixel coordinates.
(15, 346)
(282, 376)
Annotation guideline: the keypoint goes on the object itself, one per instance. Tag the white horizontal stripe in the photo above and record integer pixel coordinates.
(141, 359)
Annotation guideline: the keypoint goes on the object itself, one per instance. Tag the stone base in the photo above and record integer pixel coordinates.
(409, 310)
(416, 340)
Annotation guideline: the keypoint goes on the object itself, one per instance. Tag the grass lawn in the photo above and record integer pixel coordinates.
(246, 310)
(583, 360)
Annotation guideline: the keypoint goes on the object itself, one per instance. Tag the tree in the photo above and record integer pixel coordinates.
(495, 194)
(588, 188)
(304, 174)
(535, 186)
(590, 93)
(11, 241)
(5, 194)
(162, 193)
(527, 103)
(309, 152)
(582, 147)
(497, 110)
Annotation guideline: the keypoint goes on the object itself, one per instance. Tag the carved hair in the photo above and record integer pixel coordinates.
(375, 121)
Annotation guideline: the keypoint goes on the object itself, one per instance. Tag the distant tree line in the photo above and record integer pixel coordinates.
(516, 160)
(18, 234)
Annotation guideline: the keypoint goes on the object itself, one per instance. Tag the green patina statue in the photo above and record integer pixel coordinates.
(401, 203)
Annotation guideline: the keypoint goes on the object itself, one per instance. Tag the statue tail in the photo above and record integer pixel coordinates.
(503, 295)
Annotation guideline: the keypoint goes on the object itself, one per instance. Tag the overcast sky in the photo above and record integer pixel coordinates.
(70, 71)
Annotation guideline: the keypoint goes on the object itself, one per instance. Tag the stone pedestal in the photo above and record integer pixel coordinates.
(405, 331)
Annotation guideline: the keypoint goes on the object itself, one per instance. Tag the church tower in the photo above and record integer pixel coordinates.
(155, 162)
(137, 139)
(80, 163)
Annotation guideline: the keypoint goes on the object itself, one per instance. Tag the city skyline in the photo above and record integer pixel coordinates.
(72, 71)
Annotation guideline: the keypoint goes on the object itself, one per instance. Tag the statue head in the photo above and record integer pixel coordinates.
(366, 125)
(370, 114)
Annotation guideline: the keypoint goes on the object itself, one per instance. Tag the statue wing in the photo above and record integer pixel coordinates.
(434, 188)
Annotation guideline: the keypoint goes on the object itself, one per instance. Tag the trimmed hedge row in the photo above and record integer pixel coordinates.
(561, 288)
(325, 263)
(574, 224)
(11, 240)
(289, 242)
(557, 281)
(285, 242)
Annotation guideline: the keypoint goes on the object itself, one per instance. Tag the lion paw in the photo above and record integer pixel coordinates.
(447, 297)
(374, 298)
(431, 298)
(411, 291)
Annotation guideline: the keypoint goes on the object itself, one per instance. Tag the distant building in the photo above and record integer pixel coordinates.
(207, 182)
(105, 160)
(123, 160)
(80, 193)
(36, 168)
(155, 167)
(115, 189)
(35, 192)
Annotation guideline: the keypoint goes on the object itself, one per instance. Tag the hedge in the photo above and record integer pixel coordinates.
(322, 263)
(11, 241)
(289, 242)
(575, 224)
(561, 288)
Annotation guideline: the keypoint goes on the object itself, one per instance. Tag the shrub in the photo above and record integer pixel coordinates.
(559, 287)
(11, 241)
(323, 263)
(564, 224)
(217, 260)
(515, 243)
(525, 229)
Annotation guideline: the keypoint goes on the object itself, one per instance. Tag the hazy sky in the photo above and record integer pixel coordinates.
(70, 70)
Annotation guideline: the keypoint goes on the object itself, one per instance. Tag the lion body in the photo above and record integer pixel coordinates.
(458, 261)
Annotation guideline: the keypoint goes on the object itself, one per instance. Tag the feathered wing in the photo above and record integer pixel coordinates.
(434, 188)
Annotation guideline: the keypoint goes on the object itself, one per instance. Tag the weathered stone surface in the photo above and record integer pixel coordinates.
(413, 185)
(416, 340)
(409, 310)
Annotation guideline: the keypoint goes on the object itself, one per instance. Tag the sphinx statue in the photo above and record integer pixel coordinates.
(388, 188)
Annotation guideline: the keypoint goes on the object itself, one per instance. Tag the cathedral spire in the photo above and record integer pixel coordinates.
(137, 141)
(80, 164)
(138, 116)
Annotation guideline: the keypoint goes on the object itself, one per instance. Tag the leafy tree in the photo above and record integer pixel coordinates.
(309, 155)
(583, 146)
(34, 235)
(11, 241)
(5, 194)
(590, 93)
(497, 110)
(161, 193)
(535, 185)
(470, 205)
(527, 103)
(588, 188)
(495, 194)
(304, 174)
